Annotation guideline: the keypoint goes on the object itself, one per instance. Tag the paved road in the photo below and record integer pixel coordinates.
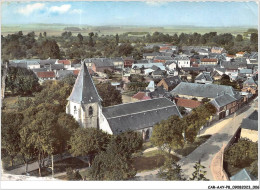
(206, 151)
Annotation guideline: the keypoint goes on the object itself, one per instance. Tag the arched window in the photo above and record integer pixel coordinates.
(90, 111)
(75, 110)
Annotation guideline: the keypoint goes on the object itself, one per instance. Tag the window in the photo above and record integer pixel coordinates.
(90, 111)
(75, 110)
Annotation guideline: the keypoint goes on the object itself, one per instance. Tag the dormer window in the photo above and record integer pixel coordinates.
(90, 111)
(75, 110)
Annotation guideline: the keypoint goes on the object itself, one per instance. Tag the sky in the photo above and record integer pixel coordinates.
(142, 13)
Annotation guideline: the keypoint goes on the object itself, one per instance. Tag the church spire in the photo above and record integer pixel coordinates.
(84, 90)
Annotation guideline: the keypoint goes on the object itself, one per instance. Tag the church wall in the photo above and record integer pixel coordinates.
(103, 124)
(90, 120)
(72, 112)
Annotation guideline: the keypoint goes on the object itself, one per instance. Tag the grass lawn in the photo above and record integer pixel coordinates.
(60, 166)
(189, 148)
(150, 160)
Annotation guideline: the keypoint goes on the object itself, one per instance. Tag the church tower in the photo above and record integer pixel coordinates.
(84, 102)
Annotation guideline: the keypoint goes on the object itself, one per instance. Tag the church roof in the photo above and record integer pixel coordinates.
(84, 90)
(139, 115)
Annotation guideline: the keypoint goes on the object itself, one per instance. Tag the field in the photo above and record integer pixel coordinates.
(57, 29)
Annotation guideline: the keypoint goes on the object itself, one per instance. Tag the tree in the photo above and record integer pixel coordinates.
(91, 42)
(49, 49)
(199, 174)
(234, 157)
(205, 100)
(239, 38)
(21, 81)
(73, 175)
(109, 94)
(80, 37)
(88, 142)
(254, 38)
(125, 49)
(112, 165)
(40, 129)
(171, 170)
(168, 133)
(117, 39)
(129, 142)
(45, 34)
(10, 138)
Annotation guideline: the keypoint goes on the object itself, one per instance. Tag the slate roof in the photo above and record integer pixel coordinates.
(139, 115)
(202, 90)
(159, 72)
(152, 54)
(243, 175)
(187, 103)
(103, 62)
(62, 73)
(48, 62)
(223, 100)
(20, 64)
(250, 81)
(251, 122)
(39, 69)
(57, 66)
(84, 90)
(245, 71)
(172, 81)
(206, 76)
(158, 92)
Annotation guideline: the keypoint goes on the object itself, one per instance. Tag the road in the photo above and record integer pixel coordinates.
(207, 150)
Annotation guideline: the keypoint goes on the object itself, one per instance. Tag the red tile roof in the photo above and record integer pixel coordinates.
(230, 55)
(76, 72)
(141, 96)
(46, 74)
(187, 103)
(240, 52)
(209, 60)
(65, 62)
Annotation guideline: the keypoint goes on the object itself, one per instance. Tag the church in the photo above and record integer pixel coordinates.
(84, 104)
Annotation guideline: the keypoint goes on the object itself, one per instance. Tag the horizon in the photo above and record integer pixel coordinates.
(132, 13)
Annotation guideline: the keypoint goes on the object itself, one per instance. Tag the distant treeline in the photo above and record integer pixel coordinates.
(18, 46)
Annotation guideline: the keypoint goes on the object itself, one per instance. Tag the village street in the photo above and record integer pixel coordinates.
(206, 151)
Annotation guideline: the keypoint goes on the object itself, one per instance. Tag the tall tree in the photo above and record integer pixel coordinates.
(49, 49)
(91, 41)
(88, 142)
(80, 37)
(117, 39)
(168, 133)
(109, 94)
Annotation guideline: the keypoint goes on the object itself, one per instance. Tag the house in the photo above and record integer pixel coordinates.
(200, 91)
(159, 92)
(16, 63)
(215, 75)
(249, 127)
(118, 62)
(158, 73)
(33, 64)
(45, 75)
(140, 96)
(151, 56)
(66, 63)
(203, 52)
(169, 83)
(206, 61)
(171, 65)
(128, 62)
(56, 67)
(243, 175)
(187, 103)
(240, 54)
(162, 59)
(250, 85)
(102, 64)
(182, 61)
(246, 72)
(217, 50)
(230, 57)
(47, 62)
(204, 78)
(225, 105)
(84, 104)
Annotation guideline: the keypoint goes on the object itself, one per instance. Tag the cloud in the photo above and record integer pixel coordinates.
(76, 11)
(28, 9)
(156, 3)
(61, 9)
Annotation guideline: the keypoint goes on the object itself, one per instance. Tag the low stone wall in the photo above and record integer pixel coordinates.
(216, 166)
